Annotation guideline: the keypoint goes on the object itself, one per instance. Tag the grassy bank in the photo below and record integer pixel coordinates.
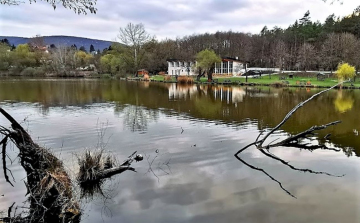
(270, 80)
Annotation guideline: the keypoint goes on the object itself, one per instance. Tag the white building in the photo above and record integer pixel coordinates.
(227, 66)
(180, 68)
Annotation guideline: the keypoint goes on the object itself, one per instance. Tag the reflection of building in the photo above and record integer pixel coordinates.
(181, 91)
(229, 94)
(227, 66)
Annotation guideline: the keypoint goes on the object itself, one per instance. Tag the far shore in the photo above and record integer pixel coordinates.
(273, 80)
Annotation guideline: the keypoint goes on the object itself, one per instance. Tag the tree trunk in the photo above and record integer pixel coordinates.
(49, 186)
(201, 74)
(210, 73)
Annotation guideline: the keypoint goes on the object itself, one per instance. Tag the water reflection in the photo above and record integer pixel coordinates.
(207, 184)
(235, 106)
(137, 118)
(343, 103)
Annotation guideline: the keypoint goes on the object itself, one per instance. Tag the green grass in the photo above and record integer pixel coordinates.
(160, 78)
(265, 80)
(157, 78)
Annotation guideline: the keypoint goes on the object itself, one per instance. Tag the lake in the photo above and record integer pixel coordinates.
(189, 134)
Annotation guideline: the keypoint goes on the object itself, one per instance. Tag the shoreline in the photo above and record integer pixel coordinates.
(249, 83)
(276, 83)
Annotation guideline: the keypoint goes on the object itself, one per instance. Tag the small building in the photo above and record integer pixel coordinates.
(142, 72)
(180, 67)
(229, 66)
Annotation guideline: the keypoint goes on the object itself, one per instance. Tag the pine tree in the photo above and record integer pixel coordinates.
(92, 48)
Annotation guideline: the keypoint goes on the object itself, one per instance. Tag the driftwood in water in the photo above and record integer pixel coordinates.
(292, 141)
(49, 187)
(95, 166)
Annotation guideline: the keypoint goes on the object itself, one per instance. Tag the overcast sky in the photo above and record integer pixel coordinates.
(164, 19)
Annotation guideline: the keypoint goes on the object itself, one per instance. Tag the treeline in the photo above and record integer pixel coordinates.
(304, 45)
(37, 59)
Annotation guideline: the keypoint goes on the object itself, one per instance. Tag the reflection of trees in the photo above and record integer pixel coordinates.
(263, 105)
(136, 118)
(343, 103)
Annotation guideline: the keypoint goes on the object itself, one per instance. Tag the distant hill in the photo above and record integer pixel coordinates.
(63, 40)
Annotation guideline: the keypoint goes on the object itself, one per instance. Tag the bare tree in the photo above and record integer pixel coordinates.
(134, 37)
(37, 42)
(306, 56)
(79, 6)
(63, 59)
(330, 51)
(280, 54)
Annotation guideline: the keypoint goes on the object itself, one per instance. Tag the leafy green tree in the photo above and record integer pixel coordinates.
(105, 63)
(5, 56)
(23, 57)
(206, 60)
(83, 59)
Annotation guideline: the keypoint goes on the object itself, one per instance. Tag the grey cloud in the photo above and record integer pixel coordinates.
(165, 19)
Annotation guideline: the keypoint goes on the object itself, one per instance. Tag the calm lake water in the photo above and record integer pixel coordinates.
(193, 131)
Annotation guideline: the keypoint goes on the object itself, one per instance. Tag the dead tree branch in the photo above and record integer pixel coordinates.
(292, 141)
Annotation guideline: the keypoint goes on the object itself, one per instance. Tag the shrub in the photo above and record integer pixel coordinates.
(15, 70)
(29, 71)
(39, 72)
(345, 71)
(167, 78)
(106, 76)
(185, 80)
(277, 84)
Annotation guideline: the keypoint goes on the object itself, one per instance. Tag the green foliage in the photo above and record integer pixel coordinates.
(345, 71)
(29, 71)
(23, 57)
(5, 56)
(33, 72)
(106, 76)
(105, 63)
(206, 59)
(83, 59)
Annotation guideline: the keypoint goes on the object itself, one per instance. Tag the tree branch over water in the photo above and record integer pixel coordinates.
(78, 6)
(292, 141)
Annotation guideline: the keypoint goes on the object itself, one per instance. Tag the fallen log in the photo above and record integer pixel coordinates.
(49, 187)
